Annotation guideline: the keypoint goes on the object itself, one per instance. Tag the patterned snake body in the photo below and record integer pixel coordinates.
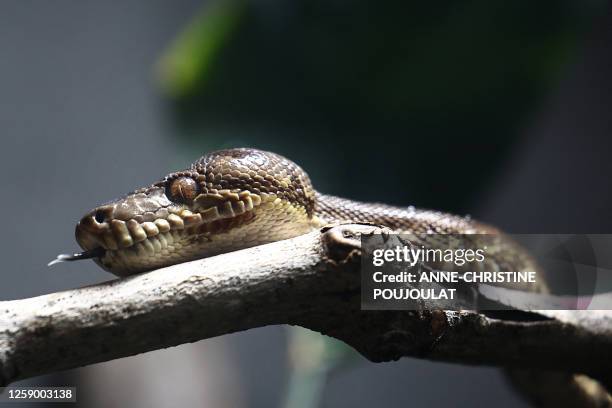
(238, 198)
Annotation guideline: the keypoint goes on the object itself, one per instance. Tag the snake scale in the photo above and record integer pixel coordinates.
(238, 198)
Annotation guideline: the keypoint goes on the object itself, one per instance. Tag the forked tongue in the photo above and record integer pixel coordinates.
(92, 253)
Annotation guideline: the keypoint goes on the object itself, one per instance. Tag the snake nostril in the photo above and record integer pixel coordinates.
(99, 216)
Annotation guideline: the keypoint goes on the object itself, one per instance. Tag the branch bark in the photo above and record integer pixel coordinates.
(312, 281)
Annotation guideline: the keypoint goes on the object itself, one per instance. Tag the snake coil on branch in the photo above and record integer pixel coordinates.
(238, 198)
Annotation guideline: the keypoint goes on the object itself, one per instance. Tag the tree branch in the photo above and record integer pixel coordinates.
(312, 281)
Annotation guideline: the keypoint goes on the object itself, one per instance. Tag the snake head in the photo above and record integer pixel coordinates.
(227, 200)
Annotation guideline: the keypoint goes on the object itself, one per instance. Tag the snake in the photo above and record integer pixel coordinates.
(239, 198)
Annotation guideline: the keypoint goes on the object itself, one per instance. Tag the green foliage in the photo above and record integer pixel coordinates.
(186, 65)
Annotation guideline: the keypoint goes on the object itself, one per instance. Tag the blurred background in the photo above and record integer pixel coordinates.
(501, 110)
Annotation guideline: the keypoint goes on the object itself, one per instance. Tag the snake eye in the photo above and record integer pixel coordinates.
(99, 216)
(182, 189)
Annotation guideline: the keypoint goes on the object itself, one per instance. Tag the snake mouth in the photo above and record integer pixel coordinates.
(120, 237)
(117, 234)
